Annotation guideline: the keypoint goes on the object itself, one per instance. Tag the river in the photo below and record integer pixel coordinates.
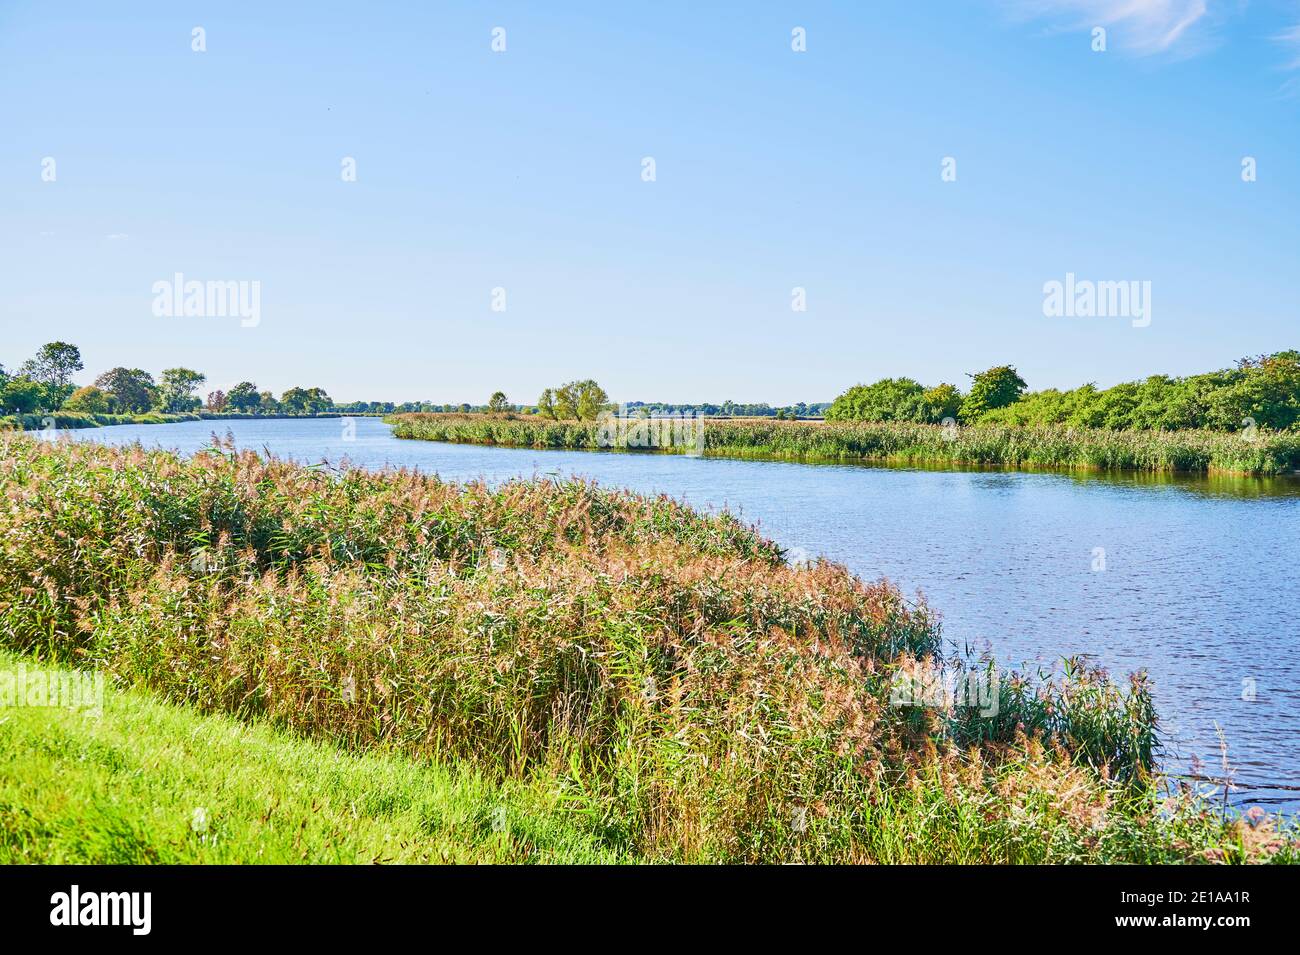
(1196, 580)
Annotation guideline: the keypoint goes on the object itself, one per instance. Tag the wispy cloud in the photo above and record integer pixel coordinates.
(1144, 27)
(1291, 38)
(116, 236)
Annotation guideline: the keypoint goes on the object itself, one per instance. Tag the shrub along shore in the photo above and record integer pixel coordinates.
(61, 420)
(1259, 452)
(675, 687)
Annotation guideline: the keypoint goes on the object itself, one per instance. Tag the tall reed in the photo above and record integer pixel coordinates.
(1261, 452)
(691, 695)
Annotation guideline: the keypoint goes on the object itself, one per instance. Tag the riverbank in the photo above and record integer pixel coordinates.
(1191, 452)
(189, 788)
(76, 420)
(64, 420)
(687, 694)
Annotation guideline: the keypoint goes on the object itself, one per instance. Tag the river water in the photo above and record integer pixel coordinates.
(1196, 580)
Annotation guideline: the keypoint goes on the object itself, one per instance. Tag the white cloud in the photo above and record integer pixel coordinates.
(116, 236)
(1142, 26)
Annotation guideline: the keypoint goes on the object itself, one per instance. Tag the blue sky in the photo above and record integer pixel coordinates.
(775, 169)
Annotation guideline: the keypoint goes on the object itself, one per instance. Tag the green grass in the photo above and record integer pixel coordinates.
(1088, 449)
(124, 786)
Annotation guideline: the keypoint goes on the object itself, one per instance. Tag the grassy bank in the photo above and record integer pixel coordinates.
(675, 688)
(63, 420)
(1266, 453)
(148, 782)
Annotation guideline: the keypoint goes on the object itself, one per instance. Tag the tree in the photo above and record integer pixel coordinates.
(133, 389)
(582, 400)
(176, 389)
(243, 397)
(1267, 392)
(890, 399)
(990, 390)
(591, 399)
(217, 400)
(305, 401)
(319, 400)
(941, 403)
(566, 403)
(498, 403)
(294, 401)
(21, 396)
(266, 403)
(54, 365)
(91, 400)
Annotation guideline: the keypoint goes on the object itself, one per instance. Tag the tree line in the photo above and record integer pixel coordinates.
(733, 409)
(44, 383)
(1262, 391)
(584, 400)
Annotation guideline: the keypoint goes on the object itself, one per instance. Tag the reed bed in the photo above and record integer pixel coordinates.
(64, 420)
(1260, 453)
(683, 691)
(74, 420)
